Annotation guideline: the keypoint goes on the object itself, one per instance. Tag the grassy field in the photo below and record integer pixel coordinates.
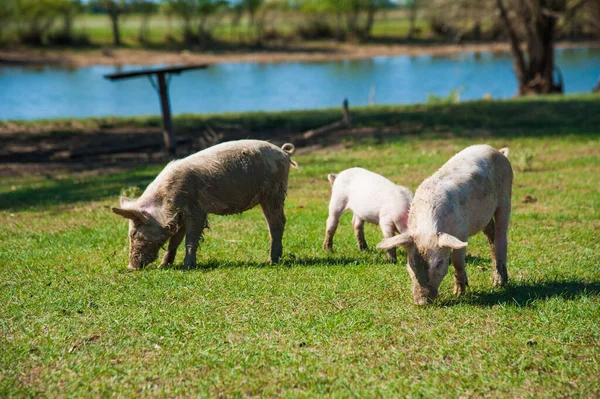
(163, 29)
(74, 322)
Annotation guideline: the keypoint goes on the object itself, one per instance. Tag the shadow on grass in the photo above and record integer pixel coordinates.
(67, 191)
(545, 117)
(286, 261)
(524, 295)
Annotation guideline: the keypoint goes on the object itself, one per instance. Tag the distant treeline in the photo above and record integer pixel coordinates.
(195, 22)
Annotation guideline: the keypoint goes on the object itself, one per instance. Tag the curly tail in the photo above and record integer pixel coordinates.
(504, 151)
(288, 148)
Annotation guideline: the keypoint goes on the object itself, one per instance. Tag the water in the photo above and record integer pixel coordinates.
(46, 92)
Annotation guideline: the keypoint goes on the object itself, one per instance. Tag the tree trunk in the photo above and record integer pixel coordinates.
(67, 25)
(412, 19)
(114, 19)
(339, 33)
(366, 34)
(540, 48)
(534, 70)
(351, 21)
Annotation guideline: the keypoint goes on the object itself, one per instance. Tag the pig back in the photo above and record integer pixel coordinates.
(235, 176)
(462, 196)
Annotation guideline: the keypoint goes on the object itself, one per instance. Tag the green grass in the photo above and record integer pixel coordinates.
(98, 29)
(73, 322)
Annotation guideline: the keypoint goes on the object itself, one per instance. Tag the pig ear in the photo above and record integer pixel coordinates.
(331, 177)
(126, 202)
(131, 213)
(448, 241)
(402, 240)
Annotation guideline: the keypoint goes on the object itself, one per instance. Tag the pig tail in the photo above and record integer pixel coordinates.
(288, 148)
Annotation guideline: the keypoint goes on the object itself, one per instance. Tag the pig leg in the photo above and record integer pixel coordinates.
(273, 211)
(194, 227)
(336, 207)
(388, 229)
(500, 246)
(490, 233)
(461, 282)
(169, 257)
(359, 232)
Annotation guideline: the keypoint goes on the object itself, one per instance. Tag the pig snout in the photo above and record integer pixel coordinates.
(423, 295)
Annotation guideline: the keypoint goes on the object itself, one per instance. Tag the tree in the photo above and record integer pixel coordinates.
(115, 10)
(185, 10)
(413, 7)
(206, 12)
(8, 10)
(359, 15)
(251, 7)
(531, 27)
(266, 16)
(145, 8)
(534, 22)
(37, 18)
(67, 10)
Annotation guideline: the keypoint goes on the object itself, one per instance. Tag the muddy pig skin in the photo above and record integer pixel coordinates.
(225, 179)
(468, 194)
(372, 198)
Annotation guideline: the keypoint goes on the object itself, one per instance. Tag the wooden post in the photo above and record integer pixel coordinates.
(168, 133)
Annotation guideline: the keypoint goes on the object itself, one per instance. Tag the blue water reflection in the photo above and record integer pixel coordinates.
(46, 92)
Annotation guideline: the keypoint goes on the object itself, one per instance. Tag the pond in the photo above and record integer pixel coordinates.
(47, 92)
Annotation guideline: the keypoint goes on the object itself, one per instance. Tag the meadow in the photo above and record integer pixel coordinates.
(74, 322)
(166, 32)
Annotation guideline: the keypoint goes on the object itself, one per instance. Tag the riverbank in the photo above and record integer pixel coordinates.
(304, 52)
(55, 147)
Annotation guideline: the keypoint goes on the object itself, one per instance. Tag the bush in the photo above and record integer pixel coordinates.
(63, 39)
(315, 29)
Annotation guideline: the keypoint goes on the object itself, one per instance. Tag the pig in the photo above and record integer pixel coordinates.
(225, 179)
(468, 194)
(372, 198)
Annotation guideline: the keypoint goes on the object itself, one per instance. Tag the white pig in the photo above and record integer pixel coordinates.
(372, 198)
(225, 179)
(468, 194)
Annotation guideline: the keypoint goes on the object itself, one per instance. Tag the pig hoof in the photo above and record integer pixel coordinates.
(422, 301)
(274, 260)
(500, 282)
(166, 261)
(460, 290)
(189, 265)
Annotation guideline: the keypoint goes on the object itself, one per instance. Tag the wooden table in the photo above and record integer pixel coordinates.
(163, 92)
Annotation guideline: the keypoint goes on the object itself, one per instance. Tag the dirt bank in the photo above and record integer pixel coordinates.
(325, 51)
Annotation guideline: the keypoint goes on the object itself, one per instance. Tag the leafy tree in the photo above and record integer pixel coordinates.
(8, 11)
(251, 7)
(200, 13)
(184, 10)
(146, 8)
(265, 17)
(115, 10)
(413, 7)
(207, 11)
(67, 10)
(37, 17)
(359, 15)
